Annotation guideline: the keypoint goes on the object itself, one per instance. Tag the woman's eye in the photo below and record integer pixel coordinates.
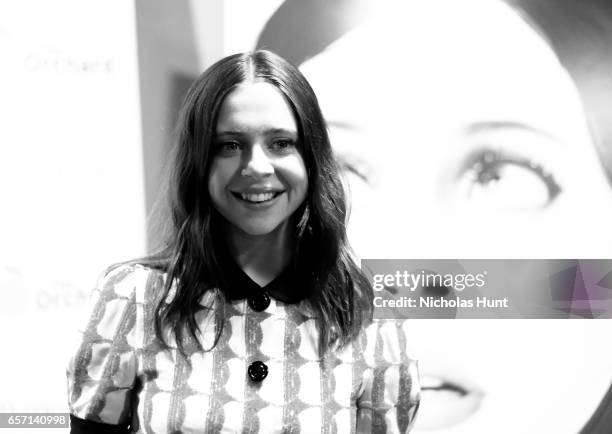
(504, 182)
(227, 148)
(282, 145)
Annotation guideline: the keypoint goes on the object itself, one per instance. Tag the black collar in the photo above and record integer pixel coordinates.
(286, 287)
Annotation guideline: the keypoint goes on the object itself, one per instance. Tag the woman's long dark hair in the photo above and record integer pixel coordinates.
(339, 293)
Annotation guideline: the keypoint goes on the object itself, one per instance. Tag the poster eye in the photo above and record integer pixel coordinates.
(508, 182)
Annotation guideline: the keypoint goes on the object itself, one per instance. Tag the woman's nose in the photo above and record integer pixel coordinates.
(258, 163)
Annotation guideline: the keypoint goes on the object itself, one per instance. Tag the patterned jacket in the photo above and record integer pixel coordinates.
(264, 375)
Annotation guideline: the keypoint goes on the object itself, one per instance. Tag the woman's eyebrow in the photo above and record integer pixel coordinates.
(492, 126)
(280, 131)
(266, 131)
(228, 133)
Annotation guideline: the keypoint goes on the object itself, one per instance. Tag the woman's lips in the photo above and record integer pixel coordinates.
(446, 402)
(258, 201)
(257, 197)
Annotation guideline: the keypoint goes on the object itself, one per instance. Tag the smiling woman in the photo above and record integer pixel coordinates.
(257, 136)
(254, 317)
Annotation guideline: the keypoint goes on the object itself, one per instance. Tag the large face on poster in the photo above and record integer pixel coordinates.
(462, 136)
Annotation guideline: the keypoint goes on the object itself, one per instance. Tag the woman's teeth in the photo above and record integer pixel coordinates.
(261, 197)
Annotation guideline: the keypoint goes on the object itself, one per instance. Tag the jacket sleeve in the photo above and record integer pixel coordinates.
(391, 389)
(103, 366)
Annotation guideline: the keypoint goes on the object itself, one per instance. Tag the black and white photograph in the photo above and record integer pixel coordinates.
(196, 194)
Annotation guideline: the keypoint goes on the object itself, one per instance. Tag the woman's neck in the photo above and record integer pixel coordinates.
(262, 257)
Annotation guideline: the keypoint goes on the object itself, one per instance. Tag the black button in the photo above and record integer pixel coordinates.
(259, 301)
(258, 371)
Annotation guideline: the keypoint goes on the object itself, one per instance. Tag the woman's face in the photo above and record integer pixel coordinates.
(257, 176)
(466, 139)
(467, 144)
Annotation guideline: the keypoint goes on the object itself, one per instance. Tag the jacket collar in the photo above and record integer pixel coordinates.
(286, 287)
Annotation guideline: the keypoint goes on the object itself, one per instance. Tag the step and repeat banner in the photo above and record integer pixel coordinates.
(71, 180)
